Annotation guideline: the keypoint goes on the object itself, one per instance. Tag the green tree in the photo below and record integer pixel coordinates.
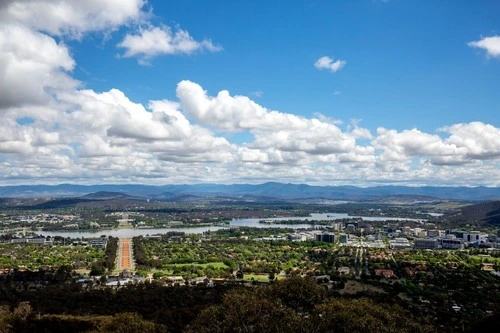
(127, 322)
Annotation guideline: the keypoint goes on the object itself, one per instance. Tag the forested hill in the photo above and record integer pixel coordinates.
(272, 189)
(488, 212)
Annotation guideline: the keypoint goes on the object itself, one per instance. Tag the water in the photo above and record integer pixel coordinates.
(129, 233)
(125, 233)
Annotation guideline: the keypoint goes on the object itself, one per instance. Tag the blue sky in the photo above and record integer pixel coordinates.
(411, 96)
(408, 63)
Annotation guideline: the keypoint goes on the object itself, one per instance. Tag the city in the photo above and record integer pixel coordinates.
(249, 166)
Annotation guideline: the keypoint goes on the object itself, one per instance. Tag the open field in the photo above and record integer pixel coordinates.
(256, 277)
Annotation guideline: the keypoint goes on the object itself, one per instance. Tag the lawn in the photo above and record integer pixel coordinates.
(484, 258)
(256, 277)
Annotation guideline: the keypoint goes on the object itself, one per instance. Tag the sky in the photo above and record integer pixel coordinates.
(361, 92)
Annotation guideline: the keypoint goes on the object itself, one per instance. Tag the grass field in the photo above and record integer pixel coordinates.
(256, 277)
(485, 258)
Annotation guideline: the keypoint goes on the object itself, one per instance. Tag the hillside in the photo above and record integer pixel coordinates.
(487, 212)
(105, 195)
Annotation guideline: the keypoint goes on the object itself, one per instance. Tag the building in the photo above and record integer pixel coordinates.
(426, 243)
(467, 236)
(337, 226)
(399, 243)
(32, 240)
(435, 233)
(344, 238)
(421, 234)
(99, 243)
(452, 243)
(298, 237)
(406, 230)
(351, 227)
(325, 237)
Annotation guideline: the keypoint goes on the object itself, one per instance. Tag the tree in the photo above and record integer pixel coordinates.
(245, 310)
(96, 270)
(298, 293)
(127, 322)
(364, 315)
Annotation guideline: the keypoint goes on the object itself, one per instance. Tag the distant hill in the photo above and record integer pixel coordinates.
(487, 212)
(104, 195)
(269, 190)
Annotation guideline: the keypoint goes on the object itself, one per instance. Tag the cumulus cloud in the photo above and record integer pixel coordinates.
(155, 41)
(71, 18)
(466, 143)
(401, 145)
(283, 131)
(329, 64)
(32, 66)
(478, 140)
(227, 113)
(490, 44)
(55, 130)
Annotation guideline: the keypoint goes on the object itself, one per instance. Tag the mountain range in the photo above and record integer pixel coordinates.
(271, 190)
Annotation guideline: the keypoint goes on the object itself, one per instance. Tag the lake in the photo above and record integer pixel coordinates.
(129, 233)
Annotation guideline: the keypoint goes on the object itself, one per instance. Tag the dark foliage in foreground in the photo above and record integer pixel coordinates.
(301, 305)
(292, 305)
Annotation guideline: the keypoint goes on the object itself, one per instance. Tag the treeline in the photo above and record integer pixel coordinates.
(292, 305)
(23, 319)
(43, 277)
(110, 254)
(108, 263)
(68, 308)
(301, 305)
(250, 232)
(141, 258)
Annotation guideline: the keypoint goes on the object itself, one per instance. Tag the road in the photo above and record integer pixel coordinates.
(125, 258)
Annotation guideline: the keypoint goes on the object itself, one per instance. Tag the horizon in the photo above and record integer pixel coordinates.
(364, 93)
(245, 184)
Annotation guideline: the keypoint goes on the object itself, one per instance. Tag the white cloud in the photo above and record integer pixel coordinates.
(466, 143)
(327, 119)
(54, 131)
(72, 18)
(490, 44)
(478, 140)
(155, 41)
(329, 64)
(227, 113)
(32, 67)
(402, 145)
(283, 131)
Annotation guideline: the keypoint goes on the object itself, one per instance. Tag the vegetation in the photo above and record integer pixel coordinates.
(293, 305)
(201, 258)
(34, 256)
(243, 279)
